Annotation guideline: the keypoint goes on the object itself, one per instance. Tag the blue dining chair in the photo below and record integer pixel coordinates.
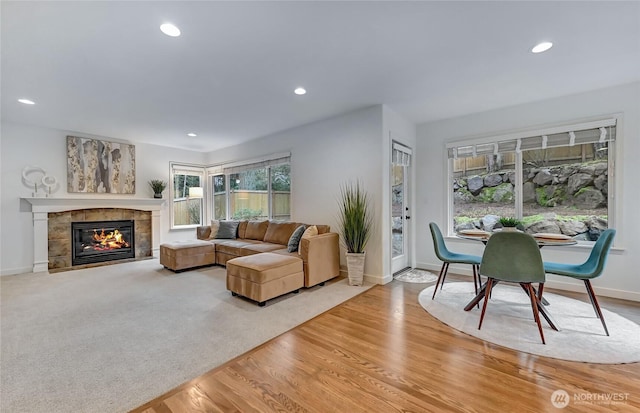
(447, 257)
(591, 268)
(514, 257)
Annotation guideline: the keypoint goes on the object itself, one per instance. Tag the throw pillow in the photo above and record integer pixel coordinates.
(294, 241)
(215, 226)
(228, 230)
(308, 233)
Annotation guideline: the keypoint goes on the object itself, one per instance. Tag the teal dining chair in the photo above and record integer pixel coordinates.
(588, 270)
(447, 257)
(513, 257)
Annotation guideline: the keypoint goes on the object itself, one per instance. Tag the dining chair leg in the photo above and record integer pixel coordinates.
(540, 288)
(476, 276)
(534, 307)
(487, 292)
(594, 303)
(441, 277)
(477, 281)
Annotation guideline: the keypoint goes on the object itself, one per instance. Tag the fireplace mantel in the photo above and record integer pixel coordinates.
(67, 204)
(42, 206)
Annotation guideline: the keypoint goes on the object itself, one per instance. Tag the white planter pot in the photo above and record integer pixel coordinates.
(355, 268)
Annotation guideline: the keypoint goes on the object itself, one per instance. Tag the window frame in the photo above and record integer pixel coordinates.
(613, 207)
(178, 168)
(227, 169)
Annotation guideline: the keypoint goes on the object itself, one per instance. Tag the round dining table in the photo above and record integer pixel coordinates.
(542, 239)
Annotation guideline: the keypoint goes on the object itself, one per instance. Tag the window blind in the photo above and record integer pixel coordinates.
(401, 155)
(592, 132)
(179, 169)
(237, 167)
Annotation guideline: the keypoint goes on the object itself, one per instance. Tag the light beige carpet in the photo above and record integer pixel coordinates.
(509, 322)
(109, 339)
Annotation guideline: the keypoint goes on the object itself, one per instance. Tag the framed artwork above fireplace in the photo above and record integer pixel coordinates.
(97, 166)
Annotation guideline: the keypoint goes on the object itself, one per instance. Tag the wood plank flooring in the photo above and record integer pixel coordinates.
(381, 352)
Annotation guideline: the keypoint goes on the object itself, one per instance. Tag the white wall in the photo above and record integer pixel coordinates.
(23, 145)
(620, 278)
(324, 155)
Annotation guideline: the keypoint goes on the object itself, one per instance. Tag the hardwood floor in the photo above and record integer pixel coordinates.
(381, 352)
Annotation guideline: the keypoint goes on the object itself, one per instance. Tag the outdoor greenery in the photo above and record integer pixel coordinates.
(247, 213)
(257, 179)
(182, 183)
(355, 217)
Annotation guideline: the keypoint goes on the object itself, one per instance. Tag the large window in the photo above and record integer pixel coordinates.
(557, 181)
(186, 196)
(258, 189)
(219, 185)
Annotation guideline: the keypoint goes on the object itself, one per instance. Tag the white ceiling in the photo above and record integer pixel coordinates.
(104, 68)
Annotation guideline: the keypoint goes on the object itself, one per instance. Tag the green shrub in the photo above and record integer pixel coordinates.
(247, 213)
(509, 221)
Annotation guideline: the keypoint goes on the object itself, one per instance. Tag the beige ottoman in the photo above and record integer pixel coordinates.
(264, 276)
(182, 255)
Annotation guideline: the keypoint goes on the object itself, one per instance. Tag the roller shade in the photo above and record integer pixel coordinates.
(241, 166)
(592, 132)
(179, 169)
(256, 165)
(401, 155)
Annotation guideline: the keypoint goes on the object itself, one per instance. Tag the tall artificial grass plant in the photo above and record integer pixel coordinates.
(355, 217)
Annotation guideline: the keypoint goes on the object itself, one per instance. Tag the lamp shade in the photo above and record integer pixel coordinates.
(195, 192)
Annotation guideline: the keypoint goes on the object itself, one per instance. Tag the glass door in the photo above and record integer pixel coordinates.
(400, 214)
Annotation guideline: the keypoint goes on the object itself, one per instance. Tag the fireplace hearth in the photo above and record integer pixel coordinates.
(100, 241)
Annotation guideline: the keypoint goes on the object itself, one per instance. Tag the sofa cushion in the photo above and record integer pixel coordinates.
(280, 232)
(227, 230)
(233, 246)
(215, 226)
(242, 229)
(259, 247)
(294, 240)
(256, 230)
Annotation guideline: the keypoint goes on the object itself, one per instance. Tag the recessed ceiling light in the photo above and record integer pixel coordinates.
(27, 101)
(541, 47)
(300, 91)
(170, 30)
(191, 134)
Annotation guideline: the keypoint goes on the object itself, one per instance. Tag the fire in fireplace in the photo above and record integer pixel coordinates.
(99, 241)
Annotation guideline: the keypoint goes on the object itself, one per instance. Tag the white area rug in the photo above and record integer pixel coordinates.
(109, 339)
(509, 322)
(416, 276)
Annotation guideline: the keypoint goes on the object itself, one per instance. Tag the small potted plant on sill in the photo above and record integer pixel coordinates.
(510, 223)
(355, 226)
(158, 186)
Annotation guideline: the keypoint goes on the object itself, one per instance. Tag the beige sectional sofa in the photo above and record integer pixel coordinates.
(319, 253)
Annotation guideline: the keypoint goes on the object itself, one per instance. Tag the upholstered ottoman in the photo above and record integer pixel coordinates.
(182, 255)
(264, 276)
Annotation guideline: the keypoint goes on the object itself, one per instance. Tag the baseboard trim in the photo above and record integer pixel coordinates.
(378, 279)
(373, 279)
(16, 271)
(559, 285)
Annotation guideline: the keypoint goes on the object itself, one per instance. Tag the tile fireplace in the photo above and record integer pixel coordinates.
(53, 218)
